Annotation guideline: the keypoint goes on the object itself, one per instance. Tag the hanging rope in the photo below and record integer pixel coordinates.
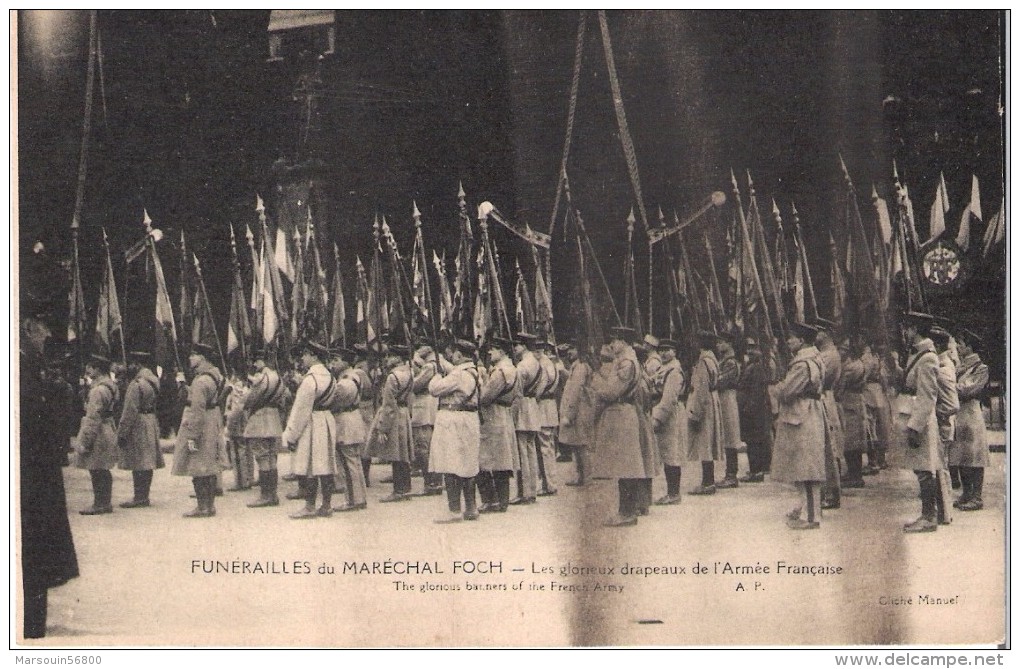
(574, 87)
(621, 119)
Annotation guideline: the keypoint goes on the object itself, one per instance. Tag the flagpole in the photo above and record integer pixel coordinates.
(113, 287)
(209, 315)
(803, 259)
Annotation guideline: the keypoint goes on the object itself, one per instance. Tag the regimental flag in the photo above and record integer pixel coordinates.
(543, 304)
(973, 210)
(165, 324)
(285, 229)
(238, 325)
(420, 293)
(272, 283)
(939, 209)
(267, 313)
(186, 299)
(256, 274)
(839, 295)
(203, 329)
(366, 326)
(482, 317)
(109, 325)
(338, 324)
(523, 308)
(317, 301)
(996, 230)
(398, 321)
(298, 292)
(798, 289)
(445, 296)
(882, 215)
(75, 299)
(465, 269)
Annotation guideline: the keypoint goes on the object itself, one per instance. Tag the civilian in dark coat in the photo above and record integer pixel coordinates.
(756, 411)
(48, 557)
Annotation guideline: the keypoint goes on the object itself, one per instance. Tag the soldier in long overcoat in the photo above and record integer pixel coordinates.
(457, 437)
(916, 422)
(876, 400)
(756, 415)
(264, 405)
(367, 369)
(669, 417)
(577, 414)
(200, 451)
(389, 435)
(850, 392)
(799, 455)
(946, 408)
(423, 417)
(138, 429)
(832, 366)
(310, 433)
(970, 449)
(729, 410)
(97, 436)
(624, 440)
(351, 429)
(704, 425)
(497, 457)
(545, 394)
(527, 418)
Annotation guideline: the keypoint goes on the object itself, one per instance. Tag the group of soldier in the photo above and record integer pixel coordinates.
(473, 419)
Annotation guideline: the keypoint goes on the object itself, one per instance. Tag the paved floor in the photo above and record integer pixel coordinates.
(140, 585)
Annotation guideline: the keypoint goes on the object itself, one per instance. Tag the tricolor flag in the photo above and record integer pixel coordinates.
(973, 210)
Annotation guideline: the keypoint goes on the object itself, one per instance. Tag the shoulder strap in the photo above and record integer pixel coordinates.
(915, 360)
(324, 398)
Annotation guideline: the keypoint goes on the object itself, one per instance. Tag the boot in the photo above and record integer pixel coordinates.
(268, 480)
(956, 477)
(643, 489)
(942, 515)
(580, 465)
(366, 467)
(487, 491)
(326, 510)
(929, 494)
(672, 487)
(813, 511)
(302, 483)
(470, 503)
(730, 480)
(854, 470)
(564, 451)
(627, 515)
(201, 509)
(102, 491)
(707, 486)
(311, 491)
(141, 480)
(966, 484)
(502, 491)
(452, 483)
(211, 492)
(977, 483)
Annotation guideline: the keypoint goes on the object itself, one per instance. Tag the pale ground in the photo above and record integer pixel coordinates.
(137, 586)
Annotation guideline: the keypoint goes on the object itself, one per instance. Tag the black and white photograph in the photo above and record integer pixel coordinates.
(449, 329)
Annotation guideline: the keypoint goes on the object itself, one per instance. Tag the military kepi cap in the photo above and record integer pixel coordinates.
(667, 344)
(917, 318)
(622, 332)
(204, 349)
(804, 331)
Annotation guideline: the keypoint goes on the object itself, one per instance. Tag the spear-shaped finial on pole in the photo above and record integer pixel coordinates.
(776, 216)
(750, 184)
(794, 214)
(662, 218)
(260, 208)
(874, 193)
(631, 221)
(461, 195)
(733, 180)
(146, 221)
(416, 215)
(375, 228)
(846, 172)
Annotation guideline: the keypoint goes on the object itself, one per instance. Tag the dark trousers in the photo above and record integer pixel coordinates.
(35, 605)
(142, 481)
(929, 494)
(635, 496)
(673, 480)
(456, 487)
(759, 455)
(102, 487)
(401, 478)
(731, 463)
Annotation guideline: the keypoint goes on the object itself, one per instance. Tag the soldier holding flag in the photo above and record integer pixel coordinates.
(138, 430)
